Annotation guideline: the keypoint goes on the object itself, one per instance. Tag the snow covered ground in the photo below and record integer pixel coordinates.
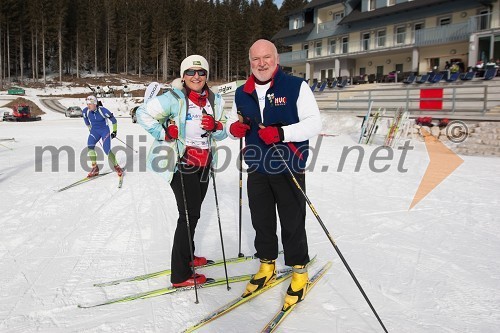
(434, 268)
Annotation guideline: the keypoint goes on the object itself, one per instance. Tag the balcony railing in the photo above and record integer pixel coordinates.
(330, 25)
(481, 22)
(293, 57)
(444, 34)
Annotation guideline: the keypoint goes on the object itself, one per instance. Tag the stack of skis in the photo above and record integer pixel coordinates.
(398, 126)
(370, 125)
(282, 275)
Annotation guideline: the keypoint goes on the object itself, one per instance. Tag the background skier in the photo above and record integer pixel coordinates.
(95, 118)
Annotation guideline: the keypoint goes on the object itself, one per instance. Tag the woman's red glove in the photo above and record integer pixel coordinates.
(171, 133)
(209, 124)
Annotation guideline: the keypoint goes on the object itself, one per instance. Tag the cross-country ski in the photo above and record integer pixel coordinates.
(281, 315)
(153, 275)
(85, 180)
(168, 290)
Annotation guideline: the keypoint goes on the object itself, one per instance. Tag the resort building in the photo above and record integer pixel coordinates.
(367, 40)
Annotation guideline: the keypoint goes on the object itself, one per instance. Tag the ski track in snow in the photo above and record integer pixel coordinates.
(432, 269)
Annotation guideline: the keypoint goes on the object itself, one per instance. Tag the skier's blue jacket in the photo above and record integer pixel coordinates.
(97, 119)
(97, 123)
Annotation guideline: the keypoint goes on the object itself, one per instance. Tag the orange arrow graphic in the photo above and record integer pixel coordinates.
(442, 162)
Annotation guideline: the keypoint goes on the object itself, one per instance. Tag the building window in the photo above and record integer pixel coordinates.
(332, 47)
(296, 23)
(345, 44)
(380, 70)
(318, 49)
(305, 47)
(400, 34)
(444, 21)
(338, 15)
(365, 45)
(484, 48)
(391, 2)
(416, 27)
(371, 4)
(381, 38)
(322, 75)
(434, 63)
(362, 71)
(484, 19)
(330, 74)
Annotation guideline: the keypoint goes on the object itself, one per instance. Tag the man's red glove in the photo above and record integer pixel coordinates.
(271, 134)
(238, 130)
(171, 133)
(209, 124)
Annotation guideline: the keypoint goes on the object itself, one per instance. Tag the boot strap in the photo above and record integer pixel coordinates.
(299, 269)
(268, 261)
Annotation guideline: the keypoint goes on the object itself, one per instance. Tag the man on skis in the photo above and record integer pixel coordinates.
(275, 111)
(95, 118)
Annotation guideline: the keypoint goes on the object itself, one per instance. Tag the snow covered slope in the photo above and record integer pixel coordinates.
(434, 268)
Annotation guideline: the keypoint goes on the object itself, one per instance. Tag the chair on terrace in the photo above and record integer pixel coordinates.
(423, 78)
(409, 79)
(490, 73)
(342, 84)
(467, 76)
(436, 78)
(322, 87)
(431, 76)
(332, 84)
(453, 77)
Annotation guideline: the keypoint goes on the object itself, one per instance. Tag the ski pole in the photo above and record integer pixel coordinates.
(135, 151)
(212, 173)
(190, 238)
(240, 208)
(328, 234)
(240, 254)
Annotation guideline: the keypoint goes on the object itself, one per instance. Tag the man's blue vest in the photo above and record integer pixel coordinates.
(281, 110)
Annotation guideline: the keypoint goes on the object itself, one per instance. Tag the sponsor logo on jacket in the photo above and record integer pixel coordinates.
(276, 101)
(280, 101)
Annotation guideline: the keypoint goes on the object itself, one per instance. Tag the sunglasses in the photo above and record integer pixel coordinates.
(192, 72)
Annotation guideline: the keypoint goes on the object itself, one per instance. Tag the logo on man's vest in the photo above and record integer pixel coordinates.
(280, 101)
(276, 101)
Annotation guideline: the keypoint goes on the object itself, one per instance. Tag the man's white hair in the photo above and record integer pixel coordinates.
(260, 41)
